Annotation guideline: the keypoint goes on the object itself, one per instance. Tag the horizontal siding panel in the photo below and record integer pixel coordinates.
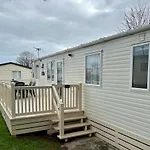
(120, 65)
(124, 57)
(114, 102)
(117, 122)
(123, 95)
(124, 52)
(114, 78)
(126, 104)
(125, 61)
(126, 70)
(129, 111)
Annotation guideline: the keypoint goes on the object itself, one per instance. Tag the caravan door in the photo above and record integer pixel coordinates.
(59, 72)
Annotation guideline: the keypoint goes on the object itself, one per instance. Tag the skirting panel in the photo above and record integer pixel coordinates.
(119, 138)
(23, 126)
(6, 117)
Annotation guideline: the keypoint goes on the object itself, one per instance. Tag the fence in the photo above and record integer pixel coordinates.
(27, 100)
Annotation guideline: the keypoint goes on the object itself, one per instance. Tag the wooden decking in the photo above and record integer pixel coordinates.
(33, 122)
(29, 109)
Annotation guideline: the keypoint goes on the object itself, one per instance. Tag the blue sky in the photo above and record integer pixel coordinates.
(56, 24)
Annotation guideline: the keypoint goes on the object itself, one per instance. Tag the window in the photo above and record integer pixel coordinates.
(16, 75)
(48, 70)
(59, 72)
(93, 63)
(52, 69)
(37, 72)
(140, 66)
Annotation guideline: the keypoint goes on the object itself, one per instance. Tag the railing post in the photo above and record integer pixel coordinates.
(13, 100)
(80, 97)
(7, 96)
(53, 109)
(1, 92)
(61, 119)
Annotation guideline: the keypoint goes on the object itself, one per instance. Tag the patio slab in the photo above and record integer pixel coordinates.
(92, 143)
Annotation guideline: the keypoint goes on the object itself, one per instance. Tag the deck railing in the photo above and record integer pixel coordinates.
(27, 100)
(5, 96)
(33, 99)
(71, 95)
(59, 108)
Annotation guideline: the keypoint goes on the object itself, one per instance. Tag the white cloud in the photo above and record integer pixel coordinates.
(55, 24)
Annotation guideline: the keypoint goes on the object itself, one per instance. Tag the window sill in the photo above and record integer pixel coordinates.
(139, 89)
(95, 85)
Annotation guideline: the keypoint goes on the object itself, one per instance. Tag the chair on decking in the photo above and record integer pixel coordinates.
(19, 91)
(32, 83)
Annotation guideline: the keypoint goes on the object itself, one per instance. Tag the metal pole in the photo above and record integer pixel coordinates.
(38, 50)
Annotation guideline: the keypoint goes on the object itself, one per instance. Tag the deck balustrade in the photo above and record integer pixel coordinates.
(29, 100)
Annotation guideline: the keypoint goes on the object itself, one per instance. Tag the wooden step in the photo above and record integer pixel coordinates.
(72, 126)
(71, 119)
(75, 134)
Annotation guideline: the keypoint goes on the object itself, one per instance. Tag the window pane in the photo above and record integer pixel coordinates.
(52, 69)
(16, 75)
(140, 66)
(48, 70)
(19, 75)
(59, 73)
(93, 69)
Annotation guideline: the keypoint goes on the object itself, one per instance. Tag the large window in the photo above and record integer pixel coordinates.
(52, 69)
(16, 75)
(93, 66)
(140, 66)
(48, 70)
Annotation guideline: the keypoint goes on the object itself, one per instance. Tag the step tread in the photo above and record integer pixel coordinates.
(71, 119)
(75, 125)
(75, 134)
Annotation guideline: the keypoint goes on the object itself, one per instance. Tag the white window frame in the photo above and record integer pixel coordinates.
(54, 71)
(100, 75)
(131, 68)
(17, 75)
(62, 70)
(49, 62)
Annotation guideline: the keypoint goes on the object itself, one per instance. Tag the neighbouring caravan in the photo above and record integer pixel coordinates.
(13, 71)
(115, 74)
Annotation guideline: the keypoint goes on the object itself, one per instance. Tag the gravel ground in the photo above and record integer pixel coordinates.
(92, 143)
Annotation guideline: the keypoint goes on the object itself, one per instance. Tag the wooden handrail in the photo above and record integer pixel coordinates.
(59, 107)
(56, 94)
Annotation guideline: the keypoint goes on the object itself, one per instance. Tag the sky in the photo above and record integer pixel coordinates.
(54, 25)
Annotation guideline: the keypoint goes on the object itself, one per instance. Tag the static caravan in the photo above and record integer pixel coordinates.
(11, 70)
(115, 75)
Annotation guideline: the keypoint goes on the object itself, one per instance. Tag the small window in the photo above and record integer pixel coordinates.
(37, 72)
(140, 66)
(16, 75)
(52, 70)
(48, 70)
(93, 63)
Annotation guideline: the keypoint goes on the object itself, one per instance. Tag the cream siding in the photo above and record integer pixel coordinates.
(114, 101)
(7, 75)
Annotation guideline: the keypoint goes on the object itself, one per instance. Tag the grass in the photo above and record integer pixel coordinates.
(34, 141)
